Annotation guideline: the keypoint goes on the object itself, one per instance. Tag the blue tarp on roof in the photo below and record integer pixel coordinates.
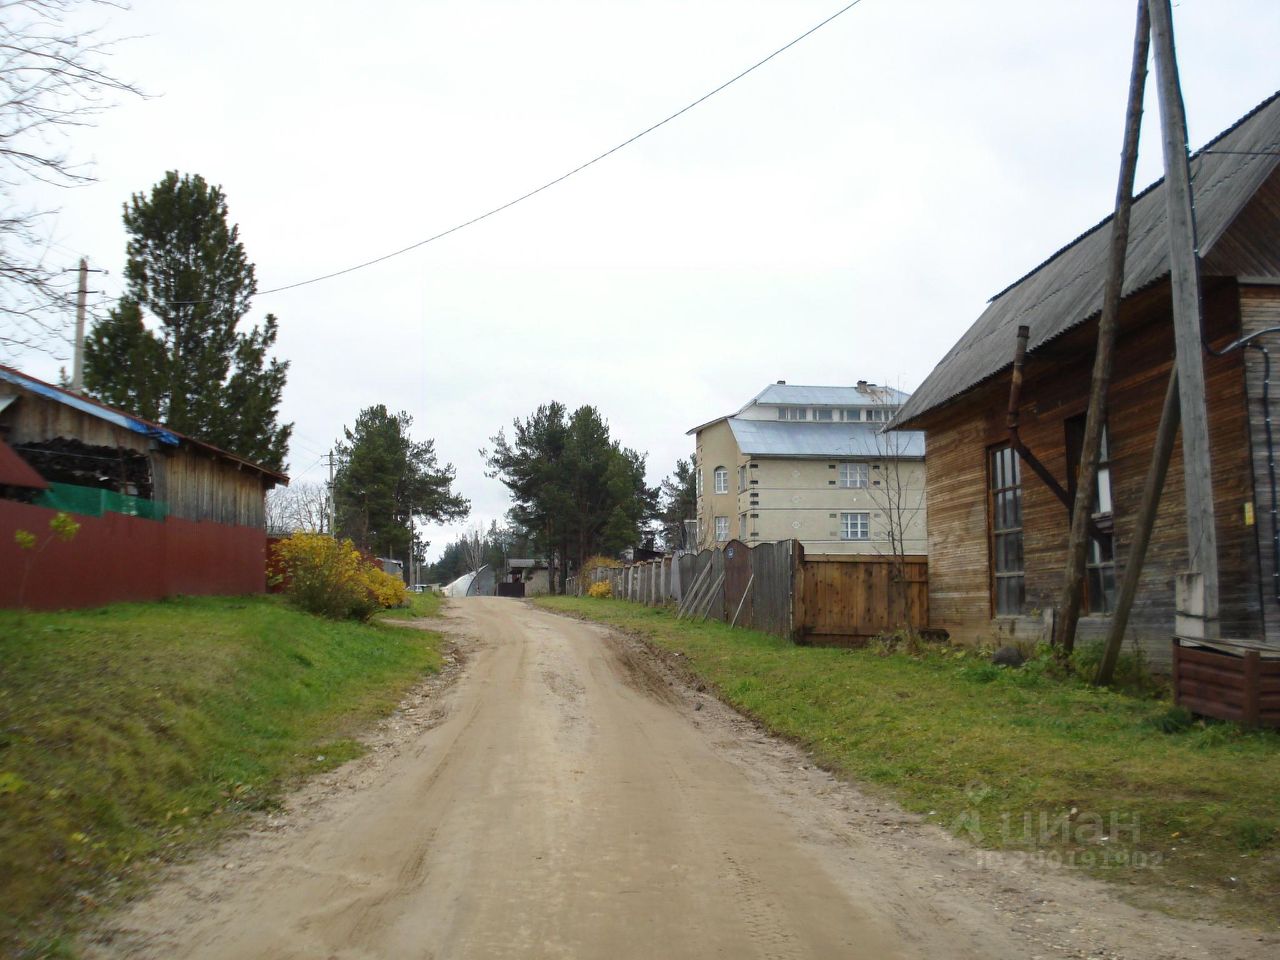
(89, 407)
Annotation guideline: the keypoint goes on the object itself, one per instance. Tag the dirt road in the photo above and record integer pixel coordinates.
(565, 799)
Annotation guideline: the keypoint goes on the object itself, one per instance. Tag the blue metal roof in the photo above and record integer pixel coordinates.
(109, 414)
(787, 438)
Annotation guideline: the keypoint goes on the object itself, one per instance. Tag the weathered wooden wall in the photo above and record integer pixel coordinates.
(1260, 310)
(1055, 390)
(196, 486)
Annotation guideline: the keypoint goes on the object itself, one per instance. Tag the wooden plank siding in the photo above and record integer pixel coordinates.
(1260, 310)
(1055, 390)
(847, 599)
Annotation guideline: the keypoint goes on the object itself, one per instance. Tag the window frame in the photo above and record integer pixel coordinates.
(720, 480)
(1005, 530)
(722, 527)
(848, 479)
(850, 525)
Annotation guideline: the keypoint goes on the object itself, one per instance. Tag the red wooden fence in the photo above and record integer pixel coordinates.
(114, 558)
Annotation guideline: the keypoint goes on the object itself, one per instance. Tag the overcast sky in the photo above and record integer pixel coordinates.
(843, 213)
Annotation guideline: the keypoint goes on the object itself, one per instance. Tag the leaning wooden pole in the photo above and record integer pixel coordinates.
(1202, 536)
(1161, 453)
(1096, 419)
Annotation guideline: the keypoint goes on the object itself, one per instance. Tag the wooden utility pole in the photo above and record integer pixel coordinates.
(1096, 419)
(77, 362)
(1161, 453)
(333, 527)
(1202, 540)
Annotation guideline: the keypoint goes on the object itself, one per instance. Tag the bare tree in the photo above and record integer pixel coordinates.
(52, 80)
(300, 506)
(897, 489)
(474, 547)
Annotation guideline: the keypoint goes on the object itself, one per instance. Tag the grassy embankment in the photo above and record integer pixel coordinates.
(421, 606)
(133, 732)
(1004, 756)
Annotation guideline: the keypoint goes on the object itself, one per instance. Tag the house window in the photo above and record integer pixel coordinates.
(821, 414)
(853, 475)
(855, 526)
(1005, 511)
(880, 414)
(851, 414)
(721, 480)
(742, 526)
(722, 528)
(742, 478)
(1100, 562)
(698, 478)
(793, 413)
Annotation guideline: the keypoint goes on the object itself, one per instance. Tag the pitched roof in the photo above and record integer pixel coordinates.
(869, 394)
(128, 421)
(16, 472)
(778, 438)
(1066, 290)
(864, 395)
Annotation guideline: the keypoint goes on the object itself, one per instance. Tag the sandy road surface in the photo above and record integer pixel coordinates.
(564, 799)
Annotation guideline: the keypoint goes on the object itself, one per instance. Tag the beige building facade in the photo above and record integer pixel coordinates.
(812, 464)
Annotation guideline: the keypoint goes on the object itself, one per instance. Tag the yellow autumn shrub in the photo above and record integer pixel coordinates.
(599, 590)
(333, 579)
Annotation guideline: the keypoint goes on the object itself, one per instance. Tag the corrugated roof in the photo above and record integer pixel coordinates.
(1066, 290)
(16, 472)
(829, 396)
(126, 420)
(785, 438)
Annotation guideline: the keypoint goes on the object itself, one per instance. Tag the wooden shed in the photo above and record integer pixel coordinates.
(998, 535)
(176, 514)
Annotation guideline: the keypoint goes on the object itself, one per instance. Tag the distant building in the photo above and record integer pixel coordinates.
(813, 464)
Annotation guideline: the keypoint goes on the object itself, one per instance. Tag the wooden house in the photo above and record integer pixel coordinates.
(160, 512)
(997, 535)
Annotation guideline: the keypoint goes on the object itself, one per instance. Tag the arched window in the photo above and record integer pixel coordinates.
(722, 480)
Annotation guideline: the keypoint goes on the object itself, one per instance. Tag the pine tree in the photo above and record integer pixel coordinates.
(197, 372)
(385, 477)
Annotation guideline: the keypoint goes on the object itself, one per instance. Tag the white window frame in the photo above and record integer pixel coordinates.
(855, 474)
(722, 529)
(855, 525)
(698, 479)
(823, 413)
(880, 414)
(720, 479)
(793, 413)
(742, 478)
(742, 526)
(851, 415)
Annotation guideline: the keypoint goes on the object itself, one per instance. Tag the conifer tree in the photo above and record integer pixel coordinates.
(197, 371)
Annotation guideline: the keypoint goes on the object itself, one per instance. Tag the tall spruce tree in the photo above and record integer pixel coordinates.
(198, 372)
(385, 478)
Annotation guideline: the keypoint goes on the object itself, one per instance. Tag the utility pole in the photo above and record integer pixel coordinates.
(332, 522)
(1198, 590)
(1096, 418)
(82, 296)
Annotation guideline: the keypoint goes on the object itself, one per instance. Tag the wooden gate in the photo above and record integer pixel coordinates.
(845, 600)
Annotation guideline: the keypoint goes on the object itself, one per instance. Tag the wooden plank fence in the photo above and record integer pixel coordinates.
(829, 600)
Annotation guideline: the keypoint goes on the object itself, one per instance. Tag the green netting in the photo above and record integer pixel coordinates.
(92, 502)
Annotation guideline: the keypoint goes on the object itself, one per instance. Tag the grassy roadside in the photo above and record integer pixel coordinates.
(421, 606)
(133, 732)
(1189, 818)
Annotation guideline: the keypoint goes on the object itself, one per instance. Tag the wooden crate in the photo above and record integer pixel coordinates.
(1229, 680)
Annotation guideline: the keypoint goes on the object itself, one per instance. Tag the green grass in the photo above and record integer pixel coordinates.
(1002, 756)
(421, 605)
(132, 732)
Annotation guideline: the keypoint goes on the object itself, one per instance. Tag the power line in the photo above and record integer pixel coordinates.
(551, 183)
